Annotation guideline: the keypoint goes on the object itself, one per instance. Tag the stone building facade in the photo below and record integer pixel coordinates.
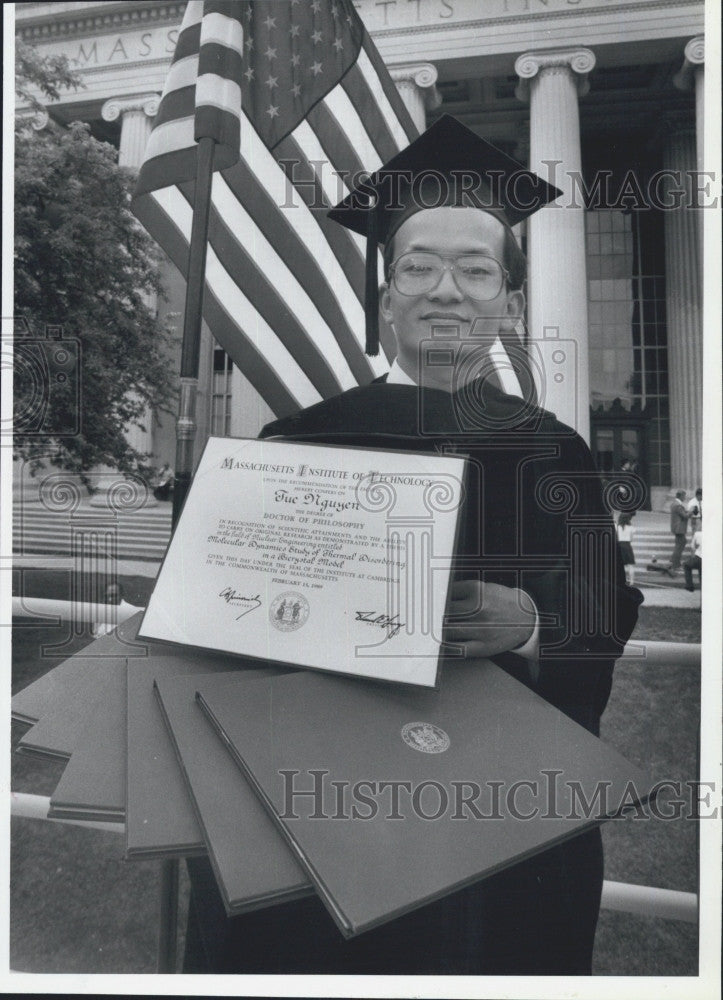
(604, 97)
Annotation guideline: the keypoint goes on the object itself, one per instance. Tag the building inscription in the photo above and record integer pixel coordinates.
(115, 49)
(158, 43)
(378, 14)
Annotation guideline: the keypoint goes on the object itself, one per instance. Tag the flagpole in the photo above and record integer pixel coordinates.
(185, 437)
(191, 346)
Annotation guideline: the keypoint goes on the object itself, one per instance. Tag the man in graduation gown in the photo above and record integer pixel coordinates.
(538, 584)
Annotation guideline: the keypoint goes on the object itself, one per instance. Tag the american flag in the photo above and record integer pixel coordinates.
(299, 101)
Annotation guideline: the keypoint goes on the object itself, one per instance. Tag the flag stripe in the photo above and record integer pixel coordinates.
(273, 82)
(320, 133)
(263, 338)
(317, 247)
(179, 103)
(260, 337)
(182, 73)
(377, 125)
(330, 174)
(382, 85)
(346, 246)
(346, 143)
(226, 64)
(314, 357)
(277, 393)
(177, 163)
(189, 37)
(318, 274)
(223, 128)
(219, 28)
(157, 213)
(309, 191)
(176, 134)
(224, 8)
(228, 250)
(221, 93)
(331, 185)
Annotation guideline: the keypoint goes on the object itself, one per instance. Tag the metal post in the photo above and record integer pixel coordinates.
(168, 917)
(191, 346)
(185, 435)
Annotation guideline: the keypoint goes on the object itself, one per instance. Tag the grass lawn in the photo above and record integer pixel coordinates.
(76, 906)
(652, 719)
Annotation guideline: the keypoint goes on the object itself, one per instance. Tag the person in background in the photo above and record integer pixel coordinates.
(113, 595)
(694, 561)
(695, 511)
(625, 533)
(164, 486)
(678, 527)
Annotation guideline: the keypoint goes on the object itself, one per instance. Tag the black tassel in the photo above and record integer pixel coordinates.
(371, 291)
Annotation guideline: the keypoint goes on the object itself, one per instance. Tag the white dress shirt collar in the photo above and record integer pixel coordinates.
(397, 376)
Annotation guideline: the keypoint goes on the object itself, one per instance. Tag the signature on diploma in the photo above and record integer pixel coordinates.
(247, 604)
(383, 621)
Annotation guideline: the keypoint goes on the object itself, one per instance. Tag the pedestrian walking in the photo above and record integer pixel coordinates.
(678, 527)
(694, 561)
(625, 533)
(695, 511)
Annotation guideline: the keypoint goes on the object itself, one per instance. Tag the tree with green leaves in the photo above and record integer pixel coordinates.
(91, 359)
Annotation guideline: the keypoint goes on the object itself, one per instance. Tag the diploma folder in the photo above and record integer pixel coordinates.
(92, 784)
(251, 862)
(160, 821)
(69, 686)
(320, 556)
(373, 857)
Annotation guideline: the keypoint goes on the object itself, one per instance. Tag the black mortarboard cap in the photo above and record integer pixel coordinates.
(447, 165)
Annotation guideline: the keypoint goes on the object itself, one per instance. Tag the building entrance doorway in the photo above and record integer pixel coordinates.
(618, 447)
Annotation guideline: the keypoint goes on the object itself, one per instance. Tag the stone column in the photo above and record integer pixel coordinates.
(684, 314)
(136, 114)
(36, 119)
(416, 85)
(557, 278)
(691, 74)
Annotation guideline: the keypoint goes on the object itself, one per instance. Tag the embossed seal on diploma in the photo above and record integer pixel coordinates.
(289, 611)
(425, 737)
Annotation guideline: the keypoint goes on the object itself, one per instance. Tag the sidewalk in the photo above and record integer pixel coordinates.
(653, 540)
(673, 596)
(124, 567)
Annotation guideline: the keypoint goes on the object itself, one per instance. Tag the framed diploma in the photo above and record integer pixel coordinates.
(317, 556)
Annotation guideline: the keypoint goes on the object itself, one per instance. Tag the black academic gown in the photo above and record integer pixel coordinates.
(534, 518)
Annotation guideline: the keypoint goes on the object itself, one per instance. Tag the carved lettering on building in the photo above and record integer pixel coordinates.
(378, 14)
(110, 50)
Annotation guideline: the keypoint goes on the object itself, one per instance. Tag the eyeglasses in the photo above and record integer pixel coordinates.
(476, 275)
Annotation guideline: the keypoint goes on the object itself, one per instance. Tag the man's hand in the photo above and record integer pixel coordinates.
(486, 618)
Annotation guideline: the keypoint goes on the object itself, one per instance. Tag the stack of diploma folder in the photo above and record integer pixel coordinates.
(389, 775)
(379, 797)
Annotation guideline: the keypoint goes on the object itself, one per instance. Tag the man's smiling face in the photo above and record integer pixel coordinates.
(448, 231)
